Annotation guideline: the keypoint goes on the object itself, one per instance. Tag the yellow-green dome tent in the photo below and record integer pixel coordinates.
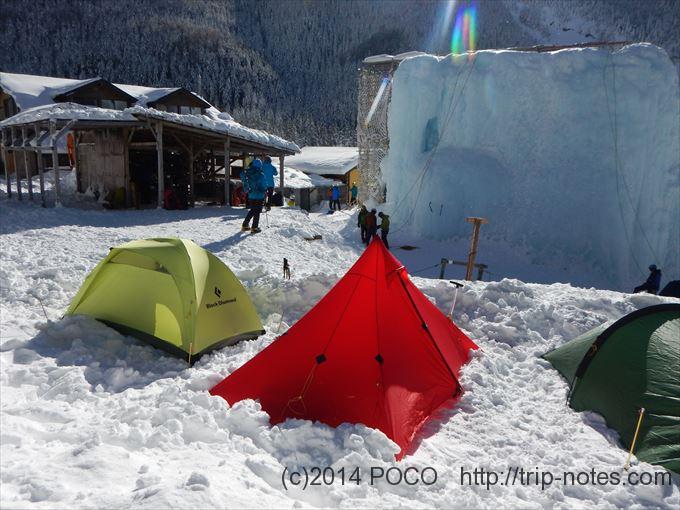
(171, 293)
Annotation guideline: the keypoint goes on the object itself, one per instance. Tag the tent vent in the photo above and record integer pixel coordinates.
(379, 359)
(320, 359)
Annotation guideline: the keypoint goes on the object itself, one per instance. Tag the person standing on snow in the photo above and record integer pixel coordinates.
(353, 193)
(361, 222)
(269, 171)
(384, 228)
(257, 187)
(286, 269)
(335, 197)
(371, 226)
(653, 281)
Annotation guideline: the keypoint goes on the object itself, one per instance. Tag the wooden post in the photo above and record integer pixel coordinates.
(29, 179)
(126, 164)
(55, 164)
(39, 162)
(191, 174)
(281, 179)
(227, 173)
(41, 176)
(5, 163)
(476, 224)
(14, 160)
(159, 152)
(443, 264)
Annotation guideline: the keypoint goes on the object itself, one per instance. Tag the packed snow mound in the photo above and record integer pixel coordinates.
(572, 155)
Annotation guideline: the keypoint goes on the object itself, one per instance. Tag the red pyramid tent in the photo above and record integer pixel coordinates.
(374, 350)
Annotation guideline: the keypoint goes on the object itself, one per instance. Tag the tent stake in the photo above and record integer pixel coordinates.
(632, 446)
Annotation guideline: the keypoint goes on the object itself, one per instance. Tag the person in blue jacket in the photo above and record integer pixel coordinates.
(653, 281)
(269, 172)
(256, 188)
(335, 197)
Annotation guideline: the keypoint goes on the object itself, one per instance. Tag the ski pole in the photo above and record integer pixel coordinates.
(632, 445)
(455, 297)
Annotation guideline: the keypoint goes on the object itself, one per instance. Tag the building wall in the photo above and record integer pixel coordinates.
(101, 160)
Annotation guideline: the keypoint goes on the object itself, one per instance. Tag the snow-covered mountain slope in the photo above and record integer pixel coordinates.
(574, 155)
(90, 418)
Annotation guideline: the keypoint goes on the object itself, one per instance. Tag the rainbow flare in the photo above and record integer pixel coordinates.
(464, 35)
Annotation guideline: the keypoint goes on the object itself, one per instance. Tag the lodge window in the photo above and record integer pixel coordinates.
(120, 105)
(185, 110)
(108, 103)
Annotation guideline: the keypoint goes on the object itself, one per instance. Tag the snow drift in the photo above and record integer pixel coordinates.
(573, 156)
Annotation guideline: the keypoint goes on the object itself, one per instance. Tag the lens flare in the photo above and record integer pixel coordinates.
(464, 35)
(376, 100)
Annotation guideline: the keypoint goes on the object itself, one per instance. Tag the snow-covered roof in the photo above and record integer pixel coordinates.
(29, 91)
(145, 95)
(35, 95)
(325, 160)
(214, 120)
(67, 111)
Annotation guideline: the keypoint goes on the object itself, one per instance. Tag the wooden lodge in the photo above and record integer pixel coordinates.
(132, 143)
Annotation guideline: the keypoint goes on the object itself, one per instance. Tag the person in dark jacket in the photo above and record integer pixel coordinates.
(653, 281)
(371, 226)
(256, 187)
(286, 269)
(361, 222)
(384, 228)
(269, 171)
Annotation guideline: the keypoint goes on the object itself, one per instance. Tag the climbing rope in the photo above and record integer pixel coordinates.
(426, 166)
(620, 177)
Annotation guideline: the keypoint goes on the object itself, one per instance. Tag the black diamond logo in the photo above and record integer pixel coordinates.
(218, 292)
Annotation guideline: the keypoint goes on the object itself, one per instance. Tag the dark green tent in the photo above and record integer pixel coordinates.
(617, 369)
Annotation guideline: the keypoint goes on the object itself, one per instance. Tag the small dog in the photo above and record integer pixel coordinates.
(286, 269)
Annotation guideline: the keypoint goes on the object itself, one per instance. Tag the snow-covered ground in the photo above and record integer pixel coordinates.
(90, 418)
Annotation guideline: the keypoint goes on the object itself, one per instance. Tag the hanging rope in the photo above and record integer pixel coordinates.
(613, 122)
(425, 268)
(453, 104)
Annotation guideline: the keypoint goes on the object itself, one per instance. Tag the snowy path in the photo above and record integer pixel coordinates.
(90, 418)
